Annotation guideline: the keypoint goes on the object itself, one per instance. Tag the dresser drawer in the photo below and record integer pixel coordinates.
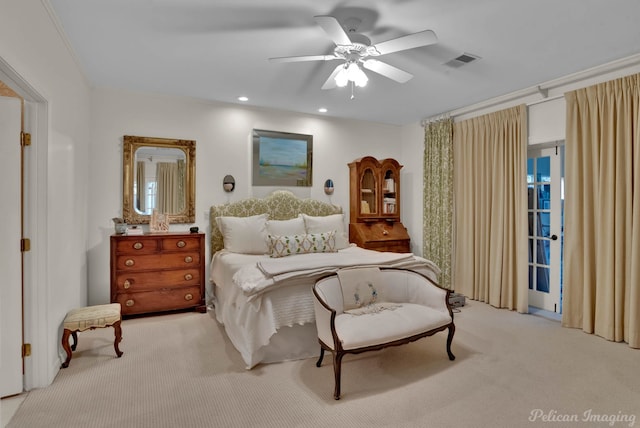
(136, 245)
(159, 300)
(144, 281)
(185, 243)
(183, 260)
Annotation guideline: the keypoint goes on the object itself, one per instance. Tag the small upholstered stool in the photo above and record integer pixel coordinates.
(89, 318)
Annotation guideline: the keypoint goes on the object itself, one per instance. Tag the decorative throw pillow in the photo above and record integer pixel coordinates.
(282, 246)
(360, 287)
(327, 223)
(245, 235)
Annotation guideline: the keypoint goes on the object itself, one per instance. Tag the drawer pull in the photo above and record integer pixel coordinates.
(129, 302)
(129, 262)
(188, 296)
(181, 244)
(188, 277)
(126, 284)
(188, 259)
(138, 245)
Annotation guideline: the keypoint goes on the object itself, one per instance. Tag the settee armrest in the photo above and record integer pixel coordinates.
(411, 287)
(327, 304)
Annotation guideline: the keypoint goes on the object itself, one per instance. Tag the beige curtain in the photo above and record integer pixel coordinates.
(602, 214)
(167, 179)
(438, 197)
(490, 208)
(140, 187)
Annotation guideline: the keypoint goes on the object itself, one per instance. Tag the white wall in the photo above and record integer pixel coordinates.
(32, 47)
(222, 133)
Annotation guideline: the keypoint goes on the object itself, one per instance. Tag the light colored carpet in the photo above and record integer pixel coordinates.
(180, 370)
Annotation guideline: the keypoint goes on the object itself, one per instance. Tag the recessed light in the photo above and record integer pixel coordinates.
(322, 110)
(243, 98)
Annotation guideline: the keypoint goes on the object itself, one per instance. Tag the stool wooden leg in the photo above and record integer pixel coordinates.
(74, 334)
(118, 333)
(66, 347)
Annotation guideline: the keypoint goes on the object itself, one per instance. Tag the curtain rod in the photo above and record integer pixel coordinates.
(542, 89)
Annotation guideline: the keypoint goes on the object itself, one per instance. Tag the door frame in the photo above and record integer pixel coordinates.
(555, 264)
(39, 368)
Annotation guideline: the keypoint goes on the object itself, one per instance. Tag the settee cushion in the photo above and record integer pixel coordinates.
(356, 331)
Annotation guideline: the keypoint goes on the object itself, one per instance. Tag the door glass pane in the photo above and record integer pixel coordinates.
(530, 277)
(530, 176)
(544, 196)
(542, 279)
(543, 169)
(543, 229)
(368, 196)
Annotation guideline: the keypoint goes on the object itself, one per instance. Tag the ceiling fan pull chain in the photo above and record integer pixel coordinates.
(352, 94)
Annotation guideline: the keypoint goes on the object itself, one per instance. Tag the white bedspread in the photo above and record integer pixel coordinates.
(267, 274)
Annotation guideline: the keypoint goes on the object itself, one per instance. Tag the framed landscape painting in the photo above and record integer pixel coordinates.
(282, 158)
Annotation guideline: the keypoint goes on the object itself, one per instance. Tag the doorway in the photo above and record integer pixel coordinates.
(545, 189)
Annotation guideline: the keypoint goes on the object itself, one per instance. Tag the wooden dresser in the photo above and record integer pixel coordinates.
(158, 272)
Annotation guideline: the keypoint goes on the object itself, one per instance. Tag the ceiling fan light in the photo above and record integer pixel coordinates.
(360, 78)
(342, 78)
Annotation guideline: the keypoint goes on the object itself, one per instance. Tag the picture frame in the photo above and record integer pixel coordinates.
(282, 159)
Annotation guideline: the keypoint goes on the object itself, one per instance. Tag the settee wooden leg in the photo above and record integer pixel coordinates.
(319, 362)
(118, 334)
(337, 367)
(452, 330)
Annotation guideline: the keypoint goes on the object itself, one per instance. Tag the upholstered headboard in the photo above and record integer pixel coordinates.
(280, 205)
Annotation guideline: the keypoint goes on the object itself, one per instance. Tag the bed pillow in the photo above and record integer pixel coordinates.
(326, 224)
(282, 246)
(294, 226)
(247, 235)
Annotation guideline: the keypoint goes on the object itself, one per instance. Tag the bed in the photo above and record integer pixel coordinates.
(266, 255)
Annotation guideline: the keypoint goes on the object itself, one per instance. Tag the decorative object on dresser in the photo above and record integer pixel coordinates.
(374, 194)
(158, 272)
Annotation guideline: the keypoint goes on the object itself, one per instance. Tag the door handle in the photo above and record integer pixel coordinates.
(554, 237)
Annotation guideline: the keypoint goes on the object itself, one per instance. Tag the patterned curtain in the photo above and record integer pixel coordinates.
(438, 197)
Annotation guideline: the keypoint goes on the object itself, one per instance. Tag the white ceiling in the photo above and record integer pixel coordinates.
(218, 49)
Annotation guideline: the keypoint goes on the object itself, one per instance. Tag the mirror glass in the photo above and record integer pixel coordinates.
(159, 174)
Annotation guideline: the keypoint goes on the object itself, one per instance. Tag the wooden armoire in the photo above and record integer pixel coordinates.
(374, 200)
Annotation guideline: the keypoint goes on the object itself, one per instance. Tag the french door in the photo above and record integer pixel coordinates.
(545, 188)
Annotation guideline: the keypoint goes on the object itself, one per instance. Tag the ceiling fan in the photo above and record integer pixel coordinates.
(355, 50)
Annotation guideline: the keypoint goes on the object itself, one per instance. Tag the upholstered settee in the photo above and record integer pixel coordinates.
(400, 306)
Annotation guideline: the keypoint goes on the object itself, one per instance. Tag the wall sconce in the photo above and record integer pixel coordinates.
(328, 187)
(228, 183)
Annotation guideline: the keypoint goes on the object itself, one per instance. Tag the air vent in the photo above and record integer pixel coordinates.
(461, 60)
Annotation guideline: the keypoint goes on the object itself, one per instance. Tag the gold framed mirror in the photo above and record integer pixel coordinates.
(158, 174)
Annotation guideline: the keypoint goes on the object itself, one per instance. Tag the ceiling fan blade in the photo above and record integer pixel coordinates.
(387, 70)
(415, 40)
(331, 81)
(303, 58)
(334, 30)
